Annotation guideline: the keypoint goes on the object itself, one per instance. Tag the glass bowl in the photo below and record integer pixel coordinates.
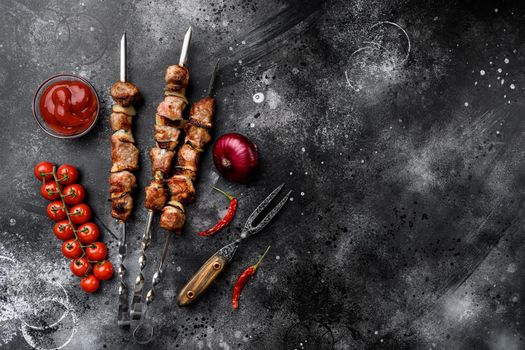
(36, 105)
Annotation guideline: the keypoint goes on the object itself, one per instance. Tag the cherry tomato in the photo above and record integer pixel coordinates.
(80, 213)
(63, 230)
(88, 233)
(71, 249)
(56, 211)
(67, 174)
(49, 190)
(80, 267)
(96, 251)
(44, 170)
(89, 284)
(103, 270)
(74, 194)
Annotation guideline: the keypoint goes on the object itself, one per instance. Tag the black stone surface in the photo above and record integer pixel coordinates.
(398, 125)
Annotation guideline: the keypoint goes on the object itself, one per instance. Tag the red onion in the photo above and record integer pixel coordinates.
(235, 157)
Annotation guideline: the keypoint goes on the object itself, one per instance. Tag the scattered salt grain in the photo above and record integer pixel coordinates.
(258, 97)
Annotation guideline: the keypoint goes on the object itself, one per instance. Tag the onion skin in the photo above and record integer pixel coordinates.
(235, 157)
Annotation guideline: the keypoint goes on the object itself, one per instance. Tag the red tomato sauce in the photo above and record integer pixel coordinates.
(68, 107)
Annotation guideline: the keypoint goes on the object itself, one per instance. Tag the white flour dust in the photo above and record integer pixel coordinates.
(38, 306)
(385, 49)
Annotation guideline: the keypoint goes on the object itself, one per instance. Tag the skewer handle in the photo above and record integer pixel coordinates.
(150, 296)
(137, 307)
(123, 307)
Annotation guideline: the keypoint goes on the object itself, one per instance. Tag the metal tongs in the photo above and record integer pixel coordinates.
(202, 279)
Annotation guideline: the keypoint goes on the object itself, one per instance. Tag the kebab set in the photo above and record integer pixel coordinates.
(62, 111)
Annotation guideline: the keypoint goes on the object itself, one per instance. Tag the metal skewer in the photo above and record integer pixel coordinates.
(138, 308)
(185, 47)
(123, 54)
(146, 325)
(123, 307)
(156, 276)
(136, 304)
(145, 331)
(182, 61)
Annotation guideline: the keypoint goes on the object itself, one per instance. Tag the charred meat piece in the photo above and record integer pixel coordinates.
(121, 205)
(160, 120)
(196, 136)
(156, 195)
(190, 174)
(120, 182)
(161, 160)
(125, 93)
(188, 161)
(120, 121)
(166, 136)
(172, 217)
(124, 154)
(171, 108)
(177, 78)
(201, 113)
(181, 189)
(123, 136)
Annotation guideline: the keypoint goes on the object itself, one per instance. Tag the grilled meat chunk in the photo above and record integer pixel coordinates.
(196, 136)
(181, 189)
(171, 108)
(124, 154)
(123, 136)
(201, 112)
(123, 181)
(167, 136)
(156, 195)
(125, 93)
(187, 161)
(179, 123)
(121, 205)
(120, 121)
(161, 160)
(172, 217)
(177, 78)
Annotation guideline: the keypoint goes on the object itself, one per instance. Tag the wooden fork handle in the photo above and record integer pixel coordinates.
(202, 279)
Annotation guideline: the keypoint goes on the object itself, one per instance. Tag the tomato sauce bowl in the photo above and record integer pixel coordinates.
(66, 106)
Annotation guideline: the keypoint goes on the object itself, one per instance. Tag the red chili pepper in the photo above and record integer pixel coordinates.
(225, 221)
(243, 279)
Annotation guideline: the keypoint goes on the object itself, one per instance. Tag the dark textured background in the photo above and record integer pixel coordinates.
(405, 229)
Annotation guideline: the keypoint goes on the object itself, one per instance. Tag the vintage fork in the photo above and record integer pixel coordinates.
(217, 262)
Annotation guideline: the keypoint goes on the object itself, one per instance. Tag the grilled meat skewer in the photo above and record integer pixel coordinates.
(168, 124)
(124, 158)
(188, 156)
